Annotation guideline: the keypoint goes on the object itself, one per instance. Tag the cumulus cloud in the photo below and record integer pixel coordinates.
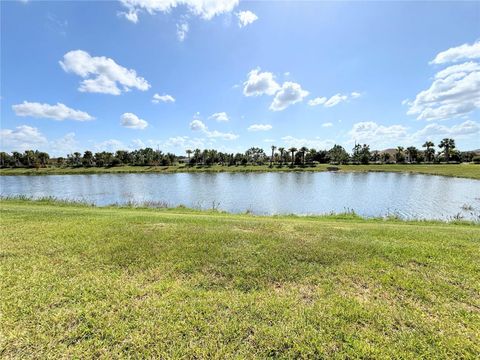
(434, 130)
(290, 93)
(58, 112)
(132, 121)
(333, 100)
(388, 136)
(101, 74)
(110, 145)
(316, 143)
(327, 124)
(198, 125)
(162, 98)
(246, 17)
(26, 137)
(21, 138)
(372, 133)
(205, 9)
(183, 142)
(220, 117)
(458, 53)
(454, 90)
(64, 145)
(259, 127)
(260, 83)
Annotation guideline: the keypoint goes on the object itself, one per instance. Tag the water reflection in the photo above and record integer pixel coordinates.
(368, 194)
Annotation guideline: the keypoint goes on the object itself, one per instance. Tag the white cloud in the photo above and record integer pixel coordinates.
(459, 70)
(64, 145)
(162, 98)
(138, 144)
(57, 112)
(198, 125)
(101, 74)
(316, 143)
(182, 30)
(110, 145)
(220, 117)
(25, 137)
(434, 130)
(380, 136)
(259, 127)
(260, 83)
(132, 121)
(377, 135)
(454, 90)
(22, 138)
(183, 142)
(459, 53)
(206, 9)
(453, 93)
(317, 101)
(327, 124)
(334, 100)
(290, 93)
(131, 16)
(246, 17)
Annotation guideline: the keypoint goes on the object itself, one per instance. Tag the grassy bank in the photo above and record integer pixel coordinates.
(83, 282)
(456, 170)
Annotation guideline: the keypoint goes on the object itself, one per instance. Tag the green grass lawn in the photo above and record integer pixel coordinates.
(457, 170)
(86, 282)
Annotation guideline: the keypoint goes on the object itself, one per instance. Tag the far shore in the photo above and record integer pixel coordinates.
(471, 171)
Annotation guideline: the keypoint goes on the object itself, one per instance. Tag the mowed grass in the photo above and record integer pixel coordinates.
(471, 171)
(86, 282)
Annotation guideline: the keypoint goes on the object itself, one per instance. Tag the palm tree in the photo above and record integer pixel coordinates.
(196, 155)
(448, 145)
(412, 153)
(303, 150)
(399, 154)
(273, 152)
(189, 152)
(282, 150)
(293, 150)
(429, 151)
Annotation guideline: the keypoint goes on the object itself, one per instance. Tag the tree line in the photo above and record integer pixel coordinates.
(279, 156)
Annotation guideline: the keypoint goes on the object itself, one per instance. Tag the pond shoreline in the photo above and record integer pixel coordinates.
(469, 171)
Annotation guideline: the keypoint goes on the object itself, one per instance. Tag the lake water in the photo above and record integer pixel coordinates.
(368, 194)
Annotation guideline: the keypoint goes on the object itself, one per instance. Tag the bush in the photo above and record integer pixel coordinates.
(476, 159)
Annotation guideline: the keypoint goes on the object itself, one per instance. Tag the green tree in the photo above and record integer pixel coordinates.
(338, 154)
(399, 155)
(303, 150)
(87, 159)
(447, 145)
(189, 152)
(429, 150)
(412, 154)
(293, 150)
(282, 152)
(273, 154)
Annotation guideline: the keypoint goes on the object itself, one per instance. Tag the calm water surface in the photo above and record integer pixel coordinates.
(368, 194)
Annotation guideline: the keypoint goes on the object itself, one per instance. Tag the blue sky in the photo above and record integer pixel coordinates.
(84, 75)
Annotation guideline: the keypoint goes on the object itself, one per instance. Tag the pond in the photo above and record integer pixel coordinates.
(368, 194)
